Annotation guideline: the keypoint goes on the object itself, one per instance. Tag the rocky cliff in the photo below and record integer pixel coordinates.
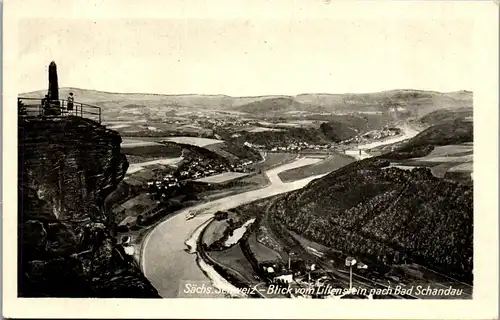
(66, 168)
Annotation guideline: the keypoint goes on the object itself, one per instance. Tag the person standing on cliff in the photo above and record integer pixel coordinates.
(70, 102)
(45, 104)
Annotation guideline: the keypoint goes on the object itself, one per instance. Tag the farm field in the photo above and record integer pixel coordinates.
(450, 150)
(287, 125)
(464, 171)
(118, 126)
(143, 128)
(234, 259)
(130, 143)
(141, 165)
(261, 252)
(141, 176)
(261, 129)
(109, 123)
(214, 231)
(250, 182)
(322, 166)
(466, 167)
(256, 179)
(222, 177)
(132, 159)
(299, 123)
(453, 159)
(133, 207)
(145, 139)
(299, 163)
(220, 149)
(440, 170)
(200, 142)
(141, 151)
(151, 149)
(400, 167)
(465, 158)
(273, 159)
(291, 124)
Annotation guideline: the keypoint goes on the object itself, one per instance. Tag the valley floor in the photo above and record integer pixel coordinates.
(172, 267)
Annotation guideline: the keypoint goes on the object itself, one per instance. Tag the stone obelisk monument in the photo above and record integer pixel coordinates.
(53, 93)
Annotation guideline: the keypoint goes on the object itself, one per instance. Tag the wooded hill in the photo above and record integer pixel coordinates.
(382, 215)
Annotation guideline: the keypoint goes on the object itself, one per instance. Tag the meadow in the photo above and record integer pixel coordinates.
(223, 177)
(329, 164)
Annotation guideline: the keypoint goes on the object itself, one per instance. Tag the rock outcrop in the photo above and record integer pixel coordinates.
(66, 168)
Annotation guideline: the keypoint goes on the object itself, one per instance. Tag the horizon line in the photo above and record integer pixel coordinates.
(251, 96)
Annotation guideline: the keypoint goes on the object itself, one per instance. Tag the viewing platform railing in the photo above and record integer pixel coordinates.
(35, 107)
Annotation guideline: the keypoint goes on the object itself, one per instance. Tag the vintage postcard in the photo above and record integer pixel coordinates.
(250, 159)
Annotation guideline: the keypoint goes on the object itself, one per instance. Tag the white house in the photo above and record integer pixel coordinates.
(288, 278)
(129, 250)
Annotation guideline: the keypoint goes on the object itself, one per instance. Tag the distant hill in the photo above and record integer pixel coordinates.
(337, 131)
(341, 127)
(450, 132)
(112, 99)
(273, 107)
(335, 128)
(412, 102)
(380, 215)
(285, 137)
(416, 102)
(445, 115)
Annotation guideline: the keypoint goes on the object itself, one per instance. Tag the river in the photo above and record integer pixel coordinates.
(169, 257)
(166, 260)
(359, 153)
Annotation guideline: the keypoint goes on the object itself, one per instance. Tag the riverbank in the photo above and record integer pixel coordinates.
(165, 261)
(357, 154)
(407, 132)
(139, 236)
(228, 281)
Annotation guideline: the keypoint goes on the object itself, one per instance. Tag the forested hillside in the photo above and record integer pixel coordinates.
(448, 132)
(444, 115)
(383, 215)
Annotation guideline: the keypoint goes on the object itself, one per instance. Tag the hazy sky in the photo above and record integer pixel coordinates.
(247, 57)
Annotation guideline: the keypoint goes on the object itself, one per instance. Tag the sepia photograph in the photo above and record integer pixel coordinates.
(284, 156)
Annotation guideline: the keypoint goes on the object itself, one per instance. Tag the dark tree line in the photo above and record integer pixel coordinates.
(398, 216)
